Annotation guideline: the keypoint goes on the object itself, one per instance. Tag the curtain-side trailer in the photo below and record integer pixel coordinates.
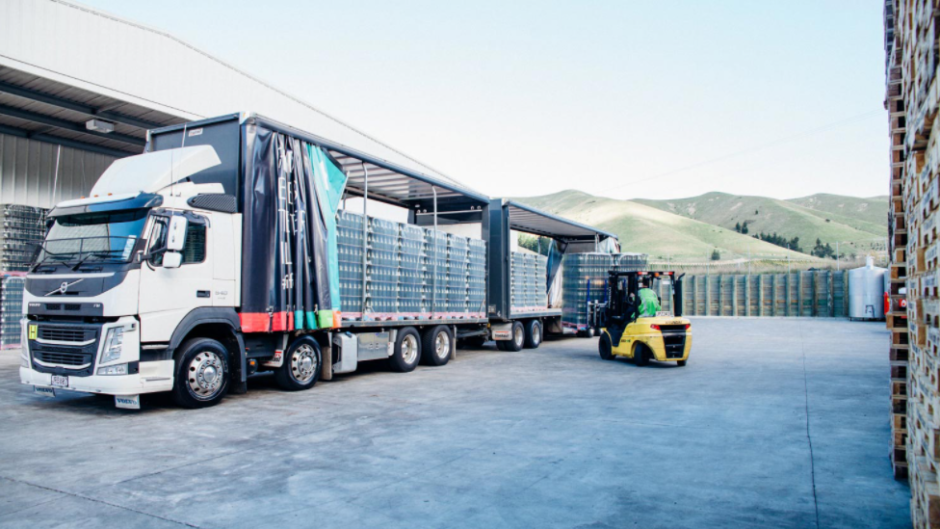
(224, 251)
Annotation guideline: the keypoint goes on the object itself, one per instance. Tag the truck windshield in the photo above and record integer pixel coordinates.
(106, 236)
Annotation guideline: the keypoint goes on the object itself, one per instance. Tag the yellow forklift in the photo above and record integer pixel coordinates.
(630, 330)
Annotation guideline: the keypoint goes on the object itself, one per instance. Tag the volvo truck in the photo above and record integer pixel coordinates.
(217, 254)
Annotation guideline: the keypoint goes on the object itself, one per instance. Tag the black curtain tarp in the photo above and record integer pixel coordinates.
(285, 278)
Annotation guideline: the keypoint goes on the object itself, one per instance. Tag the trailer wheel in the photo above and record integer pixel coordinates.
(533, 334)
(516, 342)
(641, 354)
(301, 367)
(202, 373)
(407, 351)
(436, 345)
(604, 347)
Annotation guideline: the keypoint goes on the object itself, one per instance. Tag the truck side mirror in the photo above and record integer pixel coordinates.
(176, 236)
(172, 259)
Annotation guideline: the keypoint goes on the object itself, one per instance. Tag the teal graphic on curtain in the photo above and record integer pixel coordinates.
(330, 183)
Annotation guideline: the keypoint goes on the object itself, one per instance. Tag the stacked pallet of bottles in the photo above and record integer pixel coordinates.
(411, 272)
(476, 278)
(411, 293)
(911, 29)
(11, 308)
(22, 230)
(23, 227)
(349, 248)
(382, 267)
(528, 273)
(435, 272)
(584, 280)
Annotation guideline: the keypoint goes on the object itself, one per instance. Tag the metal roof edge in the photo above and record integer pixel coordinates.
(530, 209)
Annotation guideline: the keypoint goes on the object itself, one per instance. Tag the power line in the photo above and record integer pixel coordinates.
(750, 150)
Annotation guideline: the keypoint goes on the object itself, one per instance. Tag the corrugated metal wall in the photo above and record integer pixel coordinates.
(27, 172)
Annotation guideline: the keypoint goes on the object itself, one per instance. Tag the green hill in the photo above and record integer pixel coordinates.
(830, 218)
(690, 228)
(646, 229)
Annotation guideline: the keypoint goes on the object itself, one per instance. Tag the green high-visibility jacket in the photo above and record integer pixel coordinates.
(649, 303)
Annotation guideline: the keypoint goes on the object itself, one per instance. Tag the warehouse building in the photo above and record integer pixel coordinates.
(80, 88)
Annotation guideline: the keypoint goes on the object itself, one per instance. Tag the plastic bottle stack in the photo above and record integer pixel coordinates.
(528, 282)
(584, 279)
(410, 271)
(11, 310)
(23, 227)
(476, 278)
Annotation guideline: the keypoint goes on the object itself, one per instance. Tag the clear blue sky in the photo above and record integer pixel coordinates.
(522, 98)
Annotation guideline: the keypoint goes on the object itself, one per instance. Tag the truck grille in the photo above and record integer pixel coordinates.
(64, 358)
(69, 350)
(61, 333)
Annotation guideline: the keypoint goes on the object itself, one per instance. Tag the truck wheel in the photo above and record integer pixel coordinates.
(436, 345)
(641, 355)
(516, 342)
(202, 373)
(301, 367)
(407, 351)
(681, 363)
(604, 347)
(533, 334)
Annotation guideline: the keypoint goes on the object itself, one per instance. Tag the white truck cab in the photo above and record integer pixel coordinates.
(120, 270)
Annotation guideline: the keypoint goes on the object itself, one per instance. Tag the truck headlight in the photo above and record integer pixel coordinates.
(119, 369)
(112, 345)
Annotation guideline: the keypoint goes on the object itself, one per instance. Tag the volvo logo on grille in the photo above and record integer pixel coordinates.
(64, 287)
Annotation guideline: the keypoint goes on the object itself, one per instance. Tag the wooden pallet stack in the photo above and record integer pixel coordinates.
(911, 45)
(896, 316)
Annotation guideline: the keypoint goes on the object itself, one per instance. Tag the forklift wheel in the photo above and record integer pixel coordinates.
(681, 363)
(641, 355)
(604, 347)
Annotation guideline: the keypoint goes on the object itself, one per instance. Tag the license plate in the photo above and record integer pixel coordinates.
(60, 381)
(664, 314)
(45, 392)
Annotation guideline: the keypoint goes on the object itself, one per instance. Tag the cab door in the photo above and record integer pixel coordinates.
(167, 295)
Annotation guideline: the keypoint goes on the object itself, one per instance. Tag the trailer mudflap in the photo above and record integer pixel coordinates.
(501, 331)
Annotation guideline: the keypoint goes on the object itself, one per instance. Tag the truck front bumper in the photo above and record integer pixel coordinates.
(152, 378)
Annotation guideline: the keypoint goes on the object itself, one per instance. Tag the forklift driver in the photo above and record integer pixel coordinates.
(649, 301)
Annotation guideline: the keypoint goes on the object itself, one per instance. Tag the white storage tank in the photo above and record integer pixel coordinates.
(866, 292)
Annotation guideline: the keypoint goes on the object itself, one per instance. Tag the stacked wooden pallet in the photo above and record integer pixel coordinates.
(911, 30)
(896, 315)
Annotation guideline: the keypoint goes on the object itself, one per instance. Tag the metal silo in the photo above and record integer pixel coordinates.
(866, 292)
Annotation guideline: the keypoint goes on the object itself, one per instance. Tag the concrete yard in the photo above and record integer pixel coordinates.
(774, 423)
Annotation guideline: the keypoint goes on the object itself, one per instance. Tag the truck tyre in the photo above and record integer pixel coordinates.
(516, 342)
(202, 373)
(407, 351)
(681, 363)
(436, 344)
(641, 355)
(533, 334)
(604, 347)
(301, 367)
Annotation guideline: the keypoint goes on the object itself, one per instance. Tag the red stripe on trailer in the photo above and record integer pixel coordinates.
(254, 321)
(280, 321)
